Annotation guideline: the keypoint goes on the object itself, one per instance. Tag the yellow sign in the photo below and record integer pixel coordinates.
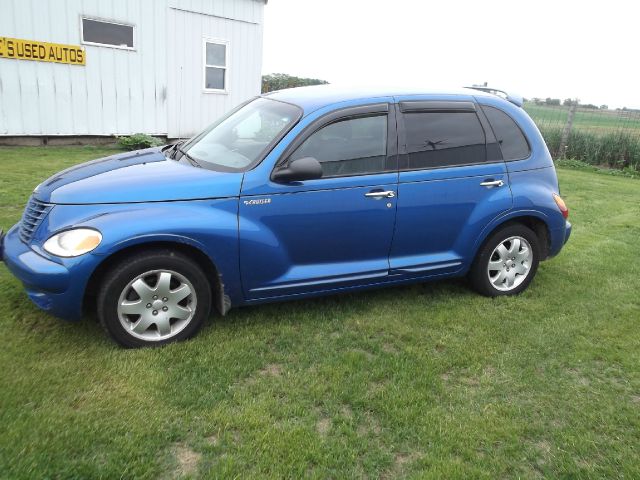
(41, 51)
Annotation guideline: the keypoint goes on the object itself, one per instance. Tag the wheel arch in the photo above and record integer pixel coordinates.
(220, 300)
(531, 219)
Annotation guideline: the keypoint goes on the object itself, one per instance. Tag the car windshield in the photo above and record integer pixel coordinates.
(239, 139)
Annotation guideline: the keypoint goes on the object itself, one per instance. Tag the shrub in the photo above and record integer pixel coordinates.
(138, 141)
(278, 81)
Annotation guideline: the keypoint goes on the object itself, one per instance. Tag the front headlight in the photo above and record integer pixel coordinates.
(72, 243)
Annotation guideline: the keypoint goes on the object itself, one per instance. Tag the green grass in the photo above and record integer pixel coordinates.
(429, 381)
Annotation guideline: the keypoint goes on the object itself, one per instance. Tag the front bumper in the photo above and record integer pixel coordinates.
(48, 284)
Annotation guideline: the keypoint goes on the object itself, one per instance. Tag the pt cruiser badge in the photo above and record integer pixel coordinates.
(258, 201)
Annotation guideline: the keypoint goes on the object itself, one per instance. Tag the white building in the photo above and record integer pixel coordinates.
(117, 67)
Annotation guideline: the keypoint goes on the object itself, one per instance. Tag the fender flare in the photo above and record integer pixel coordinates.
(501, 220)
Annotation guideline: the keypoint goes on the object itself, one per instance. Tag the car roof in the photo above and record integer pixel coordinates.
(318, 96)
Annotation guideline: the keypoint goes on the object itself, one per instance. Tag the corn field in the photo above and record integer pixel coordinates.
(594, 135)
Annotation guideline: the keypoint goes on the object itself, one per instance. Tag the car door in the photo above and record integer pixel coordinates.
(331, 232)
(452, 183)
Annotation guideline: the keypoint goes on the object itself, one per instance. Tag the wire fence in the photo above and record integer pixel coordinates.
(592, 134)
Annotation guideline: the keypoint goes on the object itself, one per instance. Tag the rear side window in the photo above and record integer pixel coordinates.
(512, 141)
(444, 139)
(356, 146)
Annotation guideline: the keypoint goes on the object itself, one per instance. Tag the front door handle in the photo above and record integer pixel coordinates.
(492, 183)
(381, 194)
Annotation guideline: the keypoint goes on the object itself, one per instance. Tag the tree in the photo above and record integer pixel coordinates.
(278, 81)
(604, 107)
(552, 101)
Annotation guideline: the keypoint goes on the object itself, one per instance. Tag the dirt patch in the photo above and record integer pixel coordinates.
(323, 426)
(271, 370)
(369, 426)
(376, 387)
(388, 348)
(471, 381)
(368, 355)
(584, 464)
(544, 447)
(213, 440)
(580, 379)
(187, 460)
(489, 371)
(404, 458)
(635, 398)
(400, 462)
(346, 411)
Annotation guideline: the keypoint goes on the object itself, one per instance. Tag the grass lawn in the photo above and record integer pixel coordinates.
(429, 381)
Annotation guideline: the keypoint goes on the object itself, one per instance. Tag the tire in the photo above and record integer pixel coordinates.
(514, 268)
(153, 298)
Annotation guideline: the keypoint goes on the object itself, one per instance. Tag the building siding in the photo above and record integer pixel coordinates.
(190, 107)
(155, 88)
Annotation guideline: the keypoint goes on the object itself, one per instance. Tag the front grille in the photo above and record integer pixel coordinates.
(33, 215)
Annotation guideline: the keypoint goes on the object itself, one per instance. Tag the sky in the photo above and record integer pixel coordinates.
(588, 50)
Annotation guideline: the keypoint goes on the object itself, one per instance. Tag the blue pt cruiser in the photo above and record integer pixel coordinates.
(296, 193)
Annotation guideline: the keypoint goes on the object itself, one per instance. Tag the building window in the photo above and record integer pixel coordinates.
(216, 64)
(107, 34)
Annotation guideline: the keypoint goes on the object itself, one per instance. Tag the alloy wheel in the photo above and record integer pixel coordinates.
(510, 263)
(157, 305)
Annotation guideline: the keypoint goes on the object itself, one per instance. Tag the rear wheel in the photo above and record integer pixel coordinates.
(507, 262)
(153, 299)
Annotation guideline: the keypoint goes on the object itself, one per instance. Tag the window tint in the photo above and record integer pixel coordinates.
(512, 142)
(444, 139)
(215, 66)
(349, 147)
(107, 33)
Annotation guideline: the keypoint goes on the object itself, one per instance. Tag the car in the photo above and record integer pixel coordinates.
(296, 193)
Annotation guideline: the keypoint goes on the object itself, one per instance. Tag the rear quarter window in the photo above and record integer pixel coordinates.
(513, 144)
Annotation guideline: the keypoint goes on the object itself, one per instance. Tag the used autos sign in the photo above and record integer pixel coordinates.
(41, 51)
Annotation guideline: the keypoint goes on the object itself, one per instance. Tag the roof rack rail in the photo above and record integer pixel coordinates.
(515, 99)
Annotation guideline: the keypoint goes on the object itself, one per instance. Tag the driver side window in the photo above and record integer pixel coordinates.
(355, 146)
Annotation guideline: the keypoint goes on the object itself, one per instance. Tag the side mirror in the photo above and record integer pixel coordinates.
(307, 168)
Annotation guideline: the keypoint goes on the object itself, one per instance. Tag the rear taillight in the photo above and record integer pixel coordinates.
(561, 205)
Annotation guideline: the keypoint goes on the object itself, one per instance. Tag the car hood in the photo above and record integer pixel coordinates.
(142, 176)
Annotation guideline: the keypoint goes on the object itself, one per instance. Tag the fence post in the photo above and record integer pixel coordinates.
(562, 150)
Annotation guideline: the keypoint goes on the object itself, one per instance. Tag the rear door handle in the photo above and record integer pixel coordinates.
(492, 183)
(381, 194)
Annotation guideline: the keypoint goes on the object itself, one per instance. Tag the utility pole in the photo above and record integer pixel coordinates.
(564, 139)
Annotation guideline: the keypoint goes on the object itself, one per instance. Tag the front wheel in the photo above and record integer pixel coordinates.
(154, 298)
(506, 262)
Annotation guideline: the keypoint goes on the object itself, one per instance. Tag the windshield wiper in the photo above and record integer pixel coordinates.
(192, 160)
(170, 151)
